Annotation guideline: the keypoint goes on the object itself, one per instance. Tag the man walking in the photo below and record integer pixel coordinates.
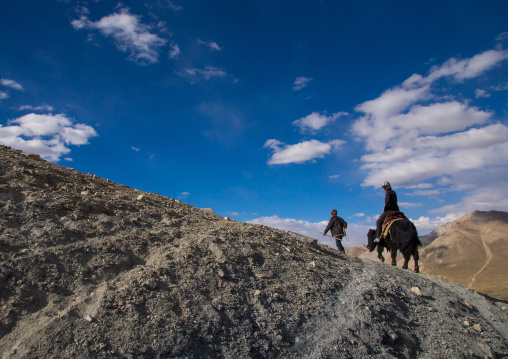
(337, 226)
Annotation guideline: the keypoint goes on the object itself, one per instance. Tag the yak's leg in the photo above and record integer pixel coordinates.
(406, 259)
(379, 253)
(394, 256)
(416, 257)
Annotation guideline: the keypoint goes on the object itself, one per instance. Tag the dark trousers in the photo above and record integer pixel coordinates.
(379, 223)
(338, 242)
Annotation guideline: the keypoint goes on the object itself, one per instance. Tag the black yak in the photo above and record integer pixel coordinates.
(401, 236)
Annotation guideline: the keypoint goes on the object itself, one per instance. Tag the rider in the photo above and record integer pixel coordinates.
(338, 228)
(390, 206)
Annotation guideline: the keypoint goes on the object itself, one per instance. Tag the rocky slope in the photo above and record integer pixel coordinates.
(94, 269)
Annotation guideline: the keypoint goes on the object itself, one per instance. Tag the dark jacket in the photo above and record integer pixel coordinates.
(391, 201)
(337, 225)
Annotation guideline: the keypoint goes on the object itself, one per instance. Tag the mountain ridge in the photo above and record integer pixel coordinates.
(94, 269)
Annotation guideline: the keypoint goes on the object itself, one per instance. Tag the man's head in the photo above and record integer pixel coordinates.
(386, 185)
(334, 212)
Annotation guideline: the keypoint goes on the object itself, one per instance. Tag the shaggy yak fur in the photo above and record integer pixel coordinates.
(402, 236)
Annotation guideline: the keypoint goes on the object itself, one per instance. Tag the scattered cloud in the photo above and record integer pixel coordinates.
(316, 121)
(129, 33)
(42, 108)
(11, 83)
(410, 142)
(358, 215)
(410, 204)
(300, 152)
(174, 52)
(3, 95)
(207, 73)
(135, 149)
(415, 138)
(300, 83)
(421, 186)
(490, 192)
(170, 4)
(212, 45)
(334, 176)
(463, 69)
(479, 93)
(427, 224)
(183, 195)
(47, 135)
(431, 192)
(355, 232)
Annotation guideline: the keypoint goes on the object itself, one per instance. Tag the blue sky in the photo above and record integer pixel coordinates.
(273, 112)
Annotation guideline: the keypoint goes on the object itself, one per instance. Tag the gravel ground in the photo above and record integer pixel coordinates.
(94, 269)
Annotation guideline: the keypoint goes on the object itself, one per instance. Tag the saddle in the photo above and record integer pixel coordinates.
(393, 215)
(389, 220)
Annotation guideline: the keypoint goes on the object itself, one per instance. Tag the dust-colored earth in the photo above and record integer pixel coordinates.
(94, 269)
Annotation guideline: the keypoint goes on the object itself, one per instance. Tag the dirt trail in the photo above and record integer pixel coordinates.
(488, 255)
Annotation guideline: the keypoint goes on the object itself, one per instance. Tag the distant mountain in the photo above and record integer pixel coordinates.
(357, 250)
(471, 251)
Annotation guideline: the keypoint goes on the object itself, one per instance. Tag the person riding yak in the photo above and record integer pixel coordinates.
(390, 206)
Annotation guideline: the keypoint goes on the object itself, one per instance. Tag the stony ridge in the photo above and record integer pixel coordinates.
(94, 269)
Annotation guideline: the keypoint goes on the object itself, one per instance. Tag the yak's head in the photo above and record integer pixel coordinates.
(371, 245)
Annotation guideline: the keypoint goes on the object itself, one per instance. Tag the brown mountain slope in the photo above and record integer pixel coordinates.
(473, 252)
(93, 269)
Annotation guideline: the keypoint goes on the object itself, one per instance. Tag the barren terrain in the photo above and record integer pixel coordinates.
(94, 269)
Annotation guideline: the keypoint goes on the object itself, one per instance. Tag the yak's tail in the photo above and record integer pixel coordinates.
(411, 242)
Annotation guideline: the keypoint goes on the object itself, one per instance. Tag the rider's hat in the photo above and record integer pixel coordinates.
(386, 184)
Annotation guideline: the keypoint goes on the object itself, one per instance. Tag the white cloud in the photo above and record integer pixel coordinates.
(174, 52)
(356, 234)
(429, 192)
(300, 83)
(12, 84)
(183, 195)
(44, 108)
(480, 93)
(212, 45)
(358, 215)
(412, 136)
(410, 204)
(209, 72)
(316, 121)
(172, 5)
(410, 142)
(425, 225)
(3, 95)
(392, 102)
(46, 135)
(129, 34)
(421, 186)
(461, 70)
(300, 152)
(490, 192)
(334, 176)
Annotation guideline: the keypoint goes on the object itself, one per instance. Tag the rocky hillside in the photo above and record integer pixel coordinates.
(94, 269)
